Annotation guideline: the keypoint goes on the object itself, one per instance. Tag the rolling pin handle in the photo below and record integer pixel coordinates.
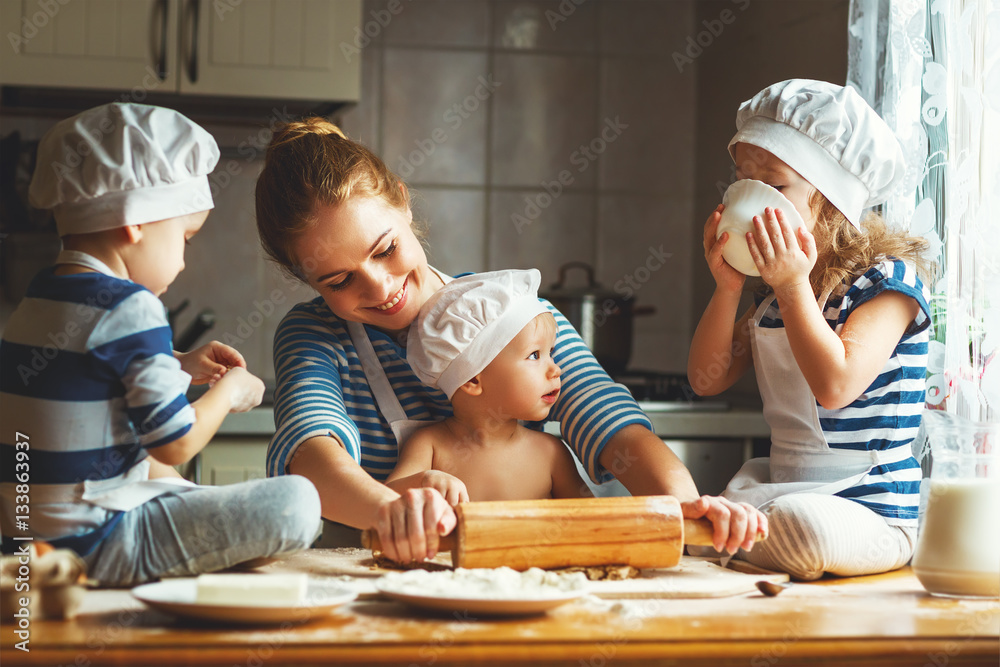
(700, 532)
(370, 540)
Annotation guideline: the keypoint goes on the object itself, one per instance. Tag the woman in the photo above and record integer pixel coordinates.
(332, 214)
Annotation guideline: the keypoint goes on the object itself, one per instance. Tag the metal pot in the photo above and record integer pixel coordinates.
(603, 317)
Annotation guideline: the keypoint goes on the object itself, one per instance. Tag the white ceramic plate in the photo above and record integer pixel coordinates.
(482, 606)
(178, 597)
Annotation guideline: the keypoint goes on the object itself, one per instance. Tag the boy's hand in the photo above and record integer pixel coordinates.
(245, 391)
(451, 487)
(210, 362)
(726, 277)
(783, 256)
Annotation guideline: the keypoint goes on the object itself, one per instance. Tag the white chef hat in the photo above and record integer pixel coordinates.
(466, 324)
(123, 164)
(829, 135)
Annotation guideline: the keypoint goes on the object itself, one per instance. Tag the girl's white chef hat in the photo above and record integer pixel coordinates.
(123, 164)
(829, 135)
(466, 324)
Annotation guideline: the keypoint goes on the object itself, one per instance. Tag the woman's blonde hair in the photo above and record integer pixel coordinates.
(846, 252)
(311, 162)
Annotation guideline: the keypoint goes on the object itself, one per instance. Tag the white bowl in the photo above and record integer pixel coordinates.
(743, 200)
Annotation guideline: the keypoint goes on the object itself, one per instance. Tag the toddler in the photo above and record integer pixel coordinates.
(838, 338)
(486, 341)
(103, 419)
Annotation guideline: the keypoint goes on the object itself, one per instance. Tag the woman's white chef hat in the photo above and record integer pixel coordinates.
(466, 324)
(123, 164)
(829, 135)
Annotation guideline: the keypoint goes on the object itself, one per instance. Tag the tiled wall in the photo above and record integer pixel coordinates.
(547, 88)
(534, 81)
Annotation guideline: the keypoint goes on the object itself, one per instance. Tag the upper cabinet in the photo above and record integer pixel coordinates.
(249, 48)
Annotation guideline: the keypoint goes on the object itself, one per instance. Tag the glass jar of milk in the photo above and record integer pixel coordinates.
(958, 546)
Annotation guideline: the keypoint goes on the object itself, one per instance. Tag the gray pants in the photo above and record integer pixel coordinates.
(208, 529)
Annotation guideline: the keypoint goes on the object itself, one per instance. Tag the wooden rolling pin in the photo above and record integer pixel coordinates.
(641, 531)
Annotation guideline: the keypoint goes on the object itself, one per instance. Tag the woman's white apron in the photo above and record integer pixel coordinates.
(134, 488)
(801, 459)
(385, 397)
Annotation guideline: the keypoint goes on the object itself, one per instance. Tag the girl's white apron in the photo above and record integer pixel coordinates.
(135, 487)
(801, 459)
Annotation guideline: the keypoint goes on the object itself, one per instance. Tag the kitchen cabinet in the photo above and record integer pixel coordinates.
(229, 459)
(288, 49)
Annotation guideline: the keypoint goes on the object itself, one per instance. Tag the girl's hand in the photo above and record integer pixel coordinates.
(210, 362)
(246, 391)
(452, 488)
(726, 277)
(409, 526)
(784, 257)
(736, 524)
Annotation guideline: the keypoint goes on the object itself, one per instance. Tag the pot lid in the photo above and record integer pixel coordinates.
(591, 288)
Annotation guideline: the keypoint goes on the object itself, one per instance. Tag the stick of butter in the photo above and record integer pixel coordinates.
(251, 589)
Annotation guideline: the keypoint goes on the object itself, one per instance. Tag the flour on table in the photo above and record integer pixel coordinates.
(500, 583)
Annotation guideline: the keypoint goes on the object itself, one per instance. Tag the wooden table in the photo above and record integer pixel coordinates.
(881, 620)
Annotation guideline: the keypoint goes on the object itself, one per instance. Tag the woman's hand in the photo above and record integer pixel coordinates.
(726, 277)
(783, 256)
(452, 488)
(736, 524)
(210, 362)
(409, 526)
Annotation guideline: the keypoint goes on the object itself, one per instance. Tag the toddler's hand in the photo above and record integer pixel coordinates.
(210, 362)
(783, 256)
(726, 277)
(451, 487)
(246, 391)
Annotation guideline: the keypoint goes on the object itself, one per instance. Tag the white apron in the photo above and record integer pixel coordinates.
(135, 487)
(385, 397)
(801, 459)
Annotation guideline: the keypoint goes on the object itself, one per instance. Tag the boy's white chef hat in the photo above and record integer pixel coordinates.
(123, 164)
(829, 135)
(466, 323)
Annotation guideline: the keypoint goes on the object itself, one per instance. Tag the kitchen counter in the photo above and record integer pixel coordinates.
(880, 620)
(670, 420)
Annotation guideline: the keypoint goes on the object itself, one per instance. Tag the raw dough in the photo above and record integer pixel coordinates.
(501, 583)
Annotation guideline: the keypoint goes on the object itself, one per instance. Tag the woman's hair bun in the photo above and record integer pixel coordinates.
(314, 125)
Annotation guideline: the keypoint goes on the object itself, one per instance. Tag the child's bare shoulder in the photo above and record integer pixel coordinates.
(542, 441)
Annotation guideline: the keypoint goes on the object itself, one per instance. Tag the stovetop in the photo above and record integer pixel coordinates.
(666, 391)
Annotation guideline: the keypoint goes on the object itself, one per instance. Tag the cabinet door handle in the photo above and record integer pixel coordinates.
(194, 13)
(161, 66)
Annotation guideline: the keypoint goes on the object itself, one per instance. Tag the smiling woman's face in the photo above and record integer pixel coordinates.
(364, 259)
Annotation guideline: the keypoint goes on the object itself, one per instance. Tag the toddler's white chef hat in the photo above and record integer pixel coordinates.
(123, 164)
(829, 135)
(466, 324)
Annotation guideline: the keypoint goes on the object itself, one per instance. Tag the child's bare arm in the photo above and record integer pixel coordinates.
(839, 368)
(414, 469)
(720, 349)
(237, 391)
(566, 481)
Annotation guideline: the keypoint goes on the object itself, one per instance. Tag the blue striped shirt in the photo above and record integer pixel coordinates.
(887, 414)
(322, 391)
(87, 373)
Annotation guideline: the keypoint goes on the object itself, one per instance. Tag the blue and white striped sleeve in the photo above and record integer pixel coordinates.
(134, 340)
(309, 400)
(591, 408)
(892, 275)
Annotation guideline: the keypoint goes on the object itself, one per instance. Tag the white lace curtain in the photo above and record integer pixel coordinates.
(931, 68)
